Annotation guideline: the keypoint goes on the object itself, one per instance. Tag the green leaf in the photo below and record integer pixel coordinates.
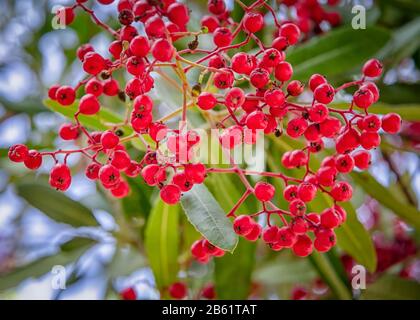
(162, 242)
(206, 215)
(403, 94)
(283, 271)
(405, 41)
(337, 52)
(56, 205)
(382, 194)
(96, 122)
(410, 112)
(233, 272)
(70, 252)
(138, 203)
(392, 288)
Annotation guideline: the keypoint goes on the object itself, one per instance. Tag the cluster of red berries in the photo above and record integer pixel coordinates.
(269, 106)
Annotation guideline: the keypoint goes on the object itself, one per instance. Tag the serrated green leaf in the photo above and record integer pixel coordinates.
(162, 242)
(336, 52)
(206, 215)
(56, 205)
(372, 187)
(73, 250)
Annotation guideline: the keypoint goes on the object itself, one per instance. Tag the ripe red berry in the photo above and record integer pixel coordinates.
(391, 123)
(253, 22)
(196, 172)
(66, 15)
(128, 294)
(121, 189)
(155, 27)
(270, 234)
(272, 57)
(111, 87)
(290, 192)
(298, 158)
(256, 120)
(315, 81)
(299, 225)
(274, 98)
(120, 159)
(109, 139)
(178, 290)
(363, 98)
(362, 159)
(372, 68)
(211, 22)
(371, 123)
(255, 232)
(295, 88)
(33, 160)
(224, 79)
(344, 163)
(162, 50)
(93, 63)
(18, 153)
(109, 176)
(370, 140)
(283, 71)
(60, 177)
(89, 104)
(234, 98)
(291, 32)
(264, 191)
(303, 246)
(178, 13)
(326, 176)
(324, 93)
(216, 7)
(243, 225)
(208, 292)
(65, 95)
(325, 239)
(297, 207)
(286, 237)
(140, 46)
(342, 191)
(296, 127)
(222, 37)
(372, 88)
(92, 170)
(170, 194)
(95, 87)
(259, 78)
(330, 218)
(306, 191)
(52, 92)
(318, 112)
(347, 141)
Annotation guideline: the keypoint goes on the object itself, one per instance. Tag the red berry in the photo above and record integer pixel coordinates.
(109, 140)
(115, 49)
(155, 27)
(330, 127)
(303, 246)
(95, 87)
(211, 22)
(330, 218)
(371, 123)
(33, 160)
(290, 192)
(253, 22)
(362, 159)
(318, 113)
(170, 194)
(224, 79)
(128, 294)
(370, 140)
(60, 177)
(198, 250)
(162, 50)
(178, 290)
(306, 191)
(296, 127)
(274, 98)
(243, 225)
(270, 234)
(18, 153)
(272, 57)
(312, 133)
(206, 101)
(208, 292)
(256, 120)
(92, 170)
(283, 71)
(216, 7)
(291, 32)
(83, 50)
(234, 98)
(93, 63)
(259, 78)
(295, 88)
(264, 191)
(52, 92)
(299, 225)
(109, 176)
(326, 176)
(297, 207)
(120, 159)
(372, 68)
(347, 141)
(135, 66)
(111, 87)
(65, 95)
(344, 163)
(178, 13)
(222, 37)
(181, 180)
(324, 93)
(363, 98)
(342, 191)
(391, 123)
(280, 43)
(121, 189)
(140, 46)
(255, 232)
(217, 62)
(298, 158)
(286, 237)
(325, 239)
(89, 104)
(66, 15)
(315, 81)
(196, 172)
(372, 88)
(68, 131)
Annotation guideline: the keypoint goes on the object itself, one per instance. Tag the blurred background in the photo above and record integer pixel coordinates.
(101, 240)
